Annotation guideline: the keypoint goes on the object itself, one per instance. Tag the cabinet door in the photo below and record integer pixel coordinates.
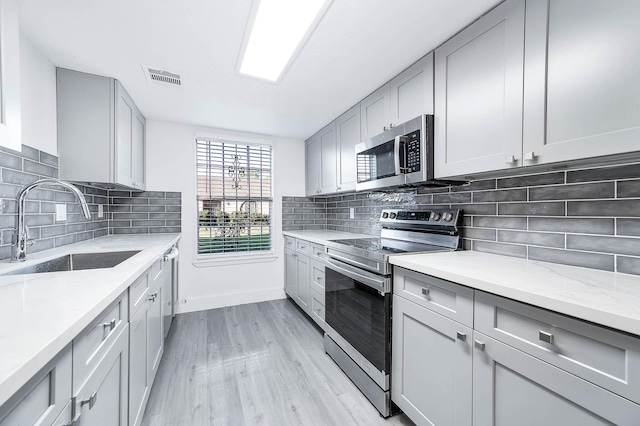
(478, 95)
(103, 398)
(581, 89)
(124, 137)
(138, 372)
(513, 388)
(10, 113)
(290, 274)
(138, 151)
(313, 162)
(431, 366)
(348, 136)
(155, 331)
(374, 110)
(303, 283)
(43, 398)
(329, 161)
(411, 92)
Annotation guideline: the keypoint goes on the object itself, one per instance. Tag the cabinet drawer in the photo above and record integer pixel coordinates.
(317, 275)
(317, 307)
(290, 243)
(91, 345)
(317, 251)
(602, 356)
(138, 293)
(444, 297)
(43, 398)
(303, 247)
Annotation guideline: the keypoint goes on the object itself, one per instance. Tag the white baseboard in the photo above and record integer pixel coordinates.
(230, 299)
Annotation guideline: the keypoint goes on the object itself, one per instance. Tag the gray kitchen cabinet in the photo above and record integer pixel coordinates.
(511, 387)
(290, 274)
(98, 109)
(43, 398)
(347, 137)
(582, 61)
(10, 111)
(313, 165)
(411, 92)
(406, 96)
(138, 359)
(155, 337)
(374, 113)
(328, 158)
(431, 366)
(303, 284)
(316, 277)
(103, 399)
(297, 284)
(479, 96)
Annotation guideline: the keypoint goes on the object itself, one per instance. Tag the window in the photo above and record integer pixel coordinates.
(234, 196)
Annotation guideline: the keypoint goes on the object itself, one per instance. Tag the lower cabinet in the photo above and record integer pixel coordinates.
(431, 366)
(44, 398)
(511, 387)
(512, 364)
(304, 276)
(103, 399)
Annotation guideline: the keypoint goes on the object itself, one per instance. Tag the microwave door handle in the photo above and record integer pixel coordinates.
(397, 145)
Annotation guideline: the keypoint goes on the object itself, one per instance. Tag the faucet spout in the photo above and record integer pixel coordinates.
(20, 246)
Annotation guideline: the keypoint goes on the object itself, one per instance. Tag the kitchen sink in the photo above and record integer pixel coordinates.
(76, 262)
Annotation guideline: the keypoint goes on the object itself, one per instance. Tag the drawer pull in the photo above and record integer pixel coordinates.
(91, 400)
(425, 292)
(110, 325)
(461, 336)
(479, 345)
(545, 337)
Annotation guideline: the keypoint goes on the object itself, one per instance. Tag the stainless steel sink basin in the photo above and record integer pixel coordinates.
(76, 262)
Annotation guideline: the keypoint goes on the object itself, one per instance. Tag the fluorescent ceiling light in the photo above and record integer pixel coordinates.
(278, 31)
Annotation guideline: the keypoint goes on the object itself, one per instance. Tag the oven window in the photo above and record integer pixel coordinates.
(376, 163)
(360, 315)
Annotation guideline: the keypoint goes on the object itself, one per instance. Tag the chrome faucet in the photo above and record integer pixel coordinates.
(22, 237)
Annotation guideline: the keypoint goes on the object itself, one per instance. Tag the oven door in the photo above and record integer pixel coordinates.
(358, 308)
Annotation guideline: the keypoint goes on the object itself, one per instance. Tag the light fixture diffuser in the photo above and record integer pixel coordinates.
(277, 32)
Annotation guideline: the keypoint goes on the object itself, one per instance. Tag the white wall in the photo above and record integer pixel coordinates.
(38, 98)
(171, 167)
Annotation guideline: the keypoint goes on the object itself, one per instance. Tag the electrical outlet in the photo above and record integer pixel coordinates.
(61, 212)
(100, 210)
(352, 212)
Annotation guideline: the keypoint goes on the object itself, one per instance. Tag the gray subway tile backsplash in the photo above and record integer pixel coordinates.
(159, 211)
(588, 217)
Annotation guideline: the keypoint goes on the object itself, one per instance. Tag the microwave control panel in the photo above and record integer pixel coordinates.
(412, 150)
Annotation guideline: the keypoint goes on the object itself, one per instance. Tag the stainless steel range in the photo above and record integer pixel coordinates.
(358, 293)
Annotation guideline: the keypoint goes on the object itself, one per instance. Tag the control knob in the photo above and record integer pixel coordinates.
(448, 217)
(392, 215)
(385, 215)
(437, 216)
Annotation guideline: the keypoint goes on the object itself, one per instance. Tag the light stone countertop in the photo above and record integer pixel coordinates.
(40, 314)
(324, 235)
(605, 298)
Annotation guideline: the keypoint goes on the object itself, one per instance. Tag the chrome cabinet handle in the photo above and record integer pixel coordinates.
(425, 292)
(545, 337)
(91, 400)
(510, 159)
(111, 325)
(479, 345)
(338, 188)
(153, 296)
(461, 336)
(530, 156)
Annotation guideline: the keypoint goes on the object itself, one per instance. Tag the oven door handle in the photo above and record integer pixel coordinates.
(381, 284)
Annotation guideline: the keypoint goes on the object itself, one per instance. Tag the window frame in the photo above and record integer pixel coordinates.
(229, 258)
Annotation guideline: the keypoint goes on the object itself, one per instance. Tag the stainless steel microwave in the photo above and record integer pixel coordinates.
(402, 155)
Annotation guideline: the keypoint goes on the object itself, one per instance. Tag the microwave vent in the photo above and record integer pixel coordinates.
(163, 77)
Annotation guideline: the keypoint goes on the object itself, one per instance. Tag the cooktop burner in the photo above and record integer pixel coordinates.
(386, 246)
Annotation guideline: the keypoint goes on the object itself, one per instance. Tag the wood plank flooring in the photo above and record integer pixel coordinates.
(256, 364)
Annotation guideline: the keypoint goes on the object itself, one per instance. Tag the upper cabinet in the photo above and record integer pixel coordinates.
(101, 132)
(328, 158)
(582, 91)
(347, 137)
(312, 169)
(10, 130)
(407, 96)
(478, 94)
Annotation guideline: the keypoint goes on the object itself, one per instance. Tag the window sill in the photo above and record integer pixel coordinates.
(233, 259)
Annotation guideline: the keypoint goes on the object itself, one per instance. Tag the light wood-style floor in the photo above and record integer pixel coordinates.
(256, 364)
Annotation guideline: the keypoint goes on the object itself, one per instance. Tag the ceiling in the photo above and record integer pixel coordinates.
(358, 46)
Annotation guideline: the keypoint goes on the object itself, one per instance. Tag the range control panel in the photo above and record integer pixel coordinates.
(426, 217)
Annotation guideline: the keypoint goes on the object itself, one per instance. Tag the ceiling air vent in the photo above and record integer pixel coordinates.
(162, 77)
